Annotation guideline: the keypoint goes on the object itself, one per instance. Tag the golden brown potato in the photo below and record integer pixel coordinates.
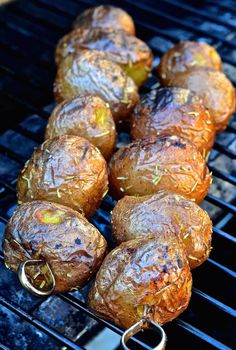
(58, 235)
(163, 163)
(68, 170)
(91, 73)
(214, 88)
(87, 116)
(185, 55)
(105, 16)
(164, 213)
(139, 273)
(131, 53)
(177, 111)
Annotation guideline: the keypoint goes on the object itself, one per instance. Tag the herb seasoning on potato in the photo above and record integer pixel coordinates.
(176, 111)
(138, 274)
(89, 72)
(162, 163)
(164, 213)
(105, 16)
(68, 170)
(87, 116)
(57, 235)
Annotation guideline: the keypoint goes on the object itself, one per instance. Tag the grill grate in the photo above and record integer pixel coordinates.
(29, 31)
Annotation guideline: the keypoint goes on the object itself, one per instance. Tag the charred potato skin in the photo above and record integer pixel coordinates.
(68, 170)
(213, 87)
(142, 272)
(105, 16)
(60, 236)
(186, 55)
(164, 213)
(176, 111)
(129, 52)
(165, 162)
(86, 116)
(89, 72)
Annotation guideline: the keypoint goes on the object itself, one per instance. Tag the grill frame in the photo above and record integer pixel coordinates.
(56, 19)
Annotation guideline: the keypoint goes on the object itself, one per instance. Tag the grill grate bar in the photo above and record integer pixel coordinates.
(182, 22)
(227, 309)
(222, 267)
(38, 324)
(226, 151)
(79, 305)
(210, 17)
(198, 333)
(222, 175)
(221, 203)
(224, 234)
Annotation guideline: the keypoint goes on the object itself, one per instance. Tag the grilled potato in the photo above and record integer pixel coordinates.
(91, 73)
(185, 55)
(60, 236)
(139, 273)
(131, 53)
(87, 116)
(214, 88)
(105, 16)
(163, 163)
(164, 213)
(177, 111)
(68, 170)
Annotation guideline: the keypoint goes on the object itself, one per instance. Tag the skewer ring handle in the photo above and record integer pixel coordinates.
(24, 280)
(140, 325)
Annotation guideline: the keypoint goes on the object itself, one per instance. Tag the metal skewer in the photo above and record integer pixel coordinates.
(144, 323)
(24, 280)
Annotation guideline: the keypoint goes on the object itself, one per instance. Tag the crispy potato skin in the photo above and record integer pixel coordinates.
(164, 213)
(177, 111)
(185, 55)
(68, 170)
(86, 116)
(165, 162)
(56, 234)
(142, 272)
(216, 91)
(105, 16)
(89, 72)
(131, 53)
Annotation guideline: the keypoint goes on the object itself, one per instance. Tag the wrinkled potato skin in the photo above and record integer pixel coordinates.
(164, 213)
(142, 272)
(171, 163)
(91, 73)
(58, 235)
(129, 52)
(186, 55)
(176, 111)
(105, 16)
(216, 91)
(68, 170)
(86, 116)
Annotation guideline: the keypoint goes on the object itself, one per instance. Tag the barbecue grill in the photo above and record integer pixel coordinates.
(29, 31)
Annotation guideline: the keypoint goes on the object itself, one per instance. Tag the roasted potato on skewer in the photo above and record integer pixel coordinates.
(185, 55)
(91, 73)
(131, 53)
(105, 16)
(142, 273)
(162, 163)
(216, 91)
(87, 116)
(58, 235)
(161, 214)
(68, 170)
(177, 111)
